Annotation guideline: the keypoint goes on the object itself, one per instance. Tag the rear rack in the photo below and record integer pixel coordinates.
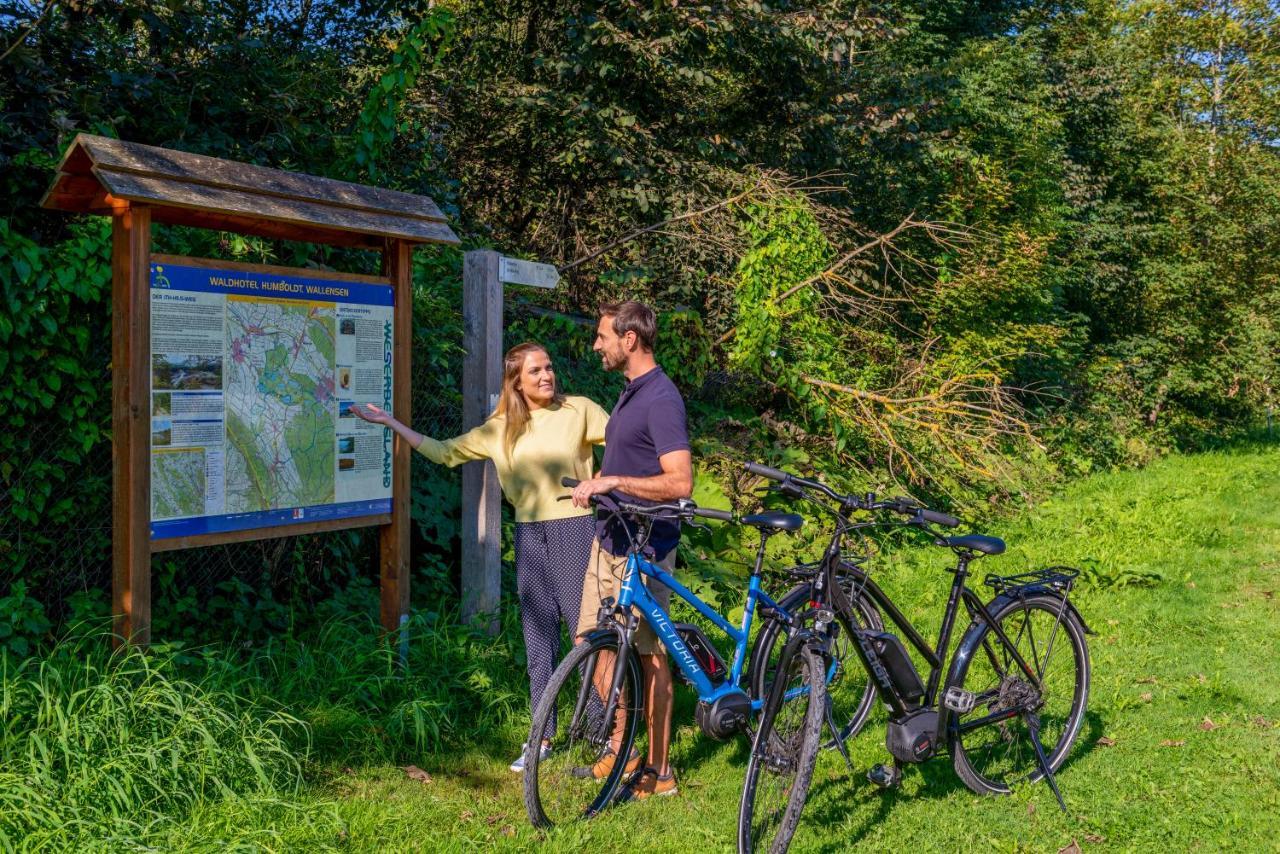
(1058, 578)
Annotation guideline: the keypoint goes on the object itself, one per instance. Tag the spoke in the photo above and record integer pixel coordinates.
(1031, 635)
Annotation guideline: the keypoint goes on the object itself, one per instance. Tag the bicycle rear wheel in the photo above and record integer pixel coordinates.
(784, 753)
(579, 775)
(993, 750)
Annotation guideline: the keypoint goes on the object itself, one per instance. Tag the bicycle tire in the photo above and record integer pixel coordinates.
(990, 759)
(852, 693)
(777, 754)
(553, 794)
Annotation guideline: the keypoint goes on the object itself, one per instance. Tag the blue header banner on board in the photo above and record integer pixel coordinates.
(266, 285)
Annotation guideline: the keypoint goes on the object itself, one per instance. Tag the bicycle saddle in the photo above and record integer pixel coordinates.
(977, 543)
(774, 519)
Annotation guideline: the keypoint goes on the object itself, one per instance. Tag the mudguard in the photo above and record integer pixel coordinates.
(633, 662)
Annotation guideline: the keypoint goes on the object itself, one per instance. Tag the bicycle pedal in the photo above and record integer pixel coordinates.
(959, 700)
(885, 776)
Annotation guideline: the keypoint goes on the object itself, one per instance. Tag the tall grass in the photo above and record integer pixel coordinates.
(121, 750)
(96, 745)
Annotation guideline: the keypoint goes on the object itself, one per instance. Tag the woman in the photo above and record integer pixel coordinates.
(535, 436)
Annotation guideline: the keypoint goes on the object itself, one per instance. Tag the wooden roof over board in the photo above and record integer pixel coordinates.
(192, 189)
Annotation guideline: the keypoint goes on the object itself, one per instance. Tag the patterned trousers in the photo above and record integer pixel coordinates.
(551, 561)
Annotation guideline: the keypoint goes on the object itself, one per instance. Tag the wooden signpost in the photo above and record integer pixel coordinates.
(138, 185)
(484, 272)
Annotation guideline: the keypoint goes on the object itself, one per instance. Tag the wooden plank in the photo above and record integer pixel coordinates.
(298, 530)
(171, 192)
(141, 159)
(75, 193)
(131, 425)
(481, 378)
(240, 224)
(270, 269)
(393, 538)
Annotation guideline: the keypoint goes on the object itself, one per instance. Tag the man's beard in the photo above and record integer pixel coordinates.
(612, 361)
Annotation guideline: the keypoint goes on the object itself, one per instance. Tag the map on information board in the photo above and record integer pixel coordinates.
(252, 378)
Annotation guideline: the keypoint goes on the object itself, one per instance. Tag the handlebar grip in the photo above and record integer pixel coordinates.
(765, 471)
(939, 518)
(707, 512)
(569, 482)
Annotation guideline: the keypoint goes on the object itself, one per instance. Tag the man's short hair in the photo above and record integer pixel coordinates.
(632, 316)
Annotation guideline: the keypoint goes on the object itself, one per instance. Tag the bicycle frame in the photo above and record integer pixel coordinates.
(633, 593)
(934, 656)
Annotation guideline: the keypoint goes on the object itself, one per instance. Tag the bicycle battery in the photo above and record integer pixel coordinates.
(898, 664)
(703, 652)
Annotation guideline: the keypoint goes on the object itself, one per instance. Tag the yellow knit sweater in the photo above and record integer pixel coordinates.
(555, 443)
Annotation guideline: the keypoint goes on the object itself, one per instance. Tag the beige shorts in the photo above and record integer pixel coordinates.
(604, 576)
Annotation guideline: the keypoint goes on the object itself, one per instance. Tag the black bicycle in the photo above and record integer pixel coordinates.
(1012, 700)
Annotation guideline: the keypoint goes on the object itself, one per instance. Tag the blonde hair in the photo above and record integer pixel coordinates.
(511, 402)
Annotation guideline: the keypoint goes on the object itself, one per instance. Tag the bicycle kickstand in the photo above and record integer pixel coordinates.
(835, 736)
(1033, 724)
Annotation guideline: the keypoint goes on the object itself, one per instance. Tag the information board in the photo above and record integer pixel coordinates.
(253, 374)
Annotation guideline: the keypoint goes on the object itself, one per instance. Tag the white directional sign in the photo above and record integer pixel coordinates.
(516, 272)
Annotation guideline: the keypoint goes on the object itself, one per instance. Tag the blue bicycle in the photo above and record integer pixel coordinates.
(583, 738)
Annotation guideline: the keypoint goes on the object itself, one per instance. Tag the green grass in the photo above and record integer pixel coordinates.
(1182, 586)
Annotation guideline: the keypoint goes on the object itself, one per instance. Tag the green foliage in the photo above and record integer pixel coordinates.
(380, 119)
(97, 746)
(54, 340)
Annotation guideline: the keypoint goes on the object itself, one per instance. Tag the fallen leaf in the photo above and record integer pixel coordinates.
(413, 772)
(1169, 742)
(1093, 837)
(1262, 722)
(349, 771)
(494, 819)
(1146, 697)
(1073, 848)
(1031, 808)
(1208, 725)
(508, 830)
(1106, 742)
(1148, 680)
(466, 815)
(1191, 585)
(1201, 678)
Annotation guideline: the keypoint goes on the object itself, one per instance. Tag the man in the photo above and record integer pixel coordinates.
(646, 457)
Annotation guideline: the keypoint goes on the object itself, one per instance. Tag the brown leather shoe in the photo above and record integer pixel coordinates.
(604, 766)
(648, 784)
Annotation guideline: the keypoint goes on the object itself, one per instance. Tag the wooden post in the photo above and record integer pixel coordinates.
(481, 381)
(393, 539)
(131, 423)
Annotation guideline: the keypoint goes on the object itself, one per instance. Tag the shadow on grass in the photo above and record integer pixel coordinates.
(835, 798)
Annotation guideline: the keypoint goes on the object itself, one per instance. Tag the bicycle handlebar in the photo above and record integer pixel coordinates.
(939, 518)
(794, 486)
(684, 508)
(765, 471)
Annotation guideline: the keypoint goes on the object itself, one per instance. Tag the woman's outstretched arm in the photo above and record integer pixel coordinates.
(377, 415)
(475, 444)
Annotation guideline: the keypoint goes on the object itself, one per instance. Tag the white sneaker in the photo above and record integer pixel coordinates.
(518, 765)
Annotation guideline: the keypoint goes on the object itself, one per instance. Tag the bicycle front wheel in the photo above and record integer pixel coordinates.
(784, 753)
(849, 689)
(991, 744)
(571, 760)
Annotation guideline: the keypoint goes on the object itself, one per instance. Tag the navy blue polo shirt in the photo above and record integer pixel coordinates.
(647, 421)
